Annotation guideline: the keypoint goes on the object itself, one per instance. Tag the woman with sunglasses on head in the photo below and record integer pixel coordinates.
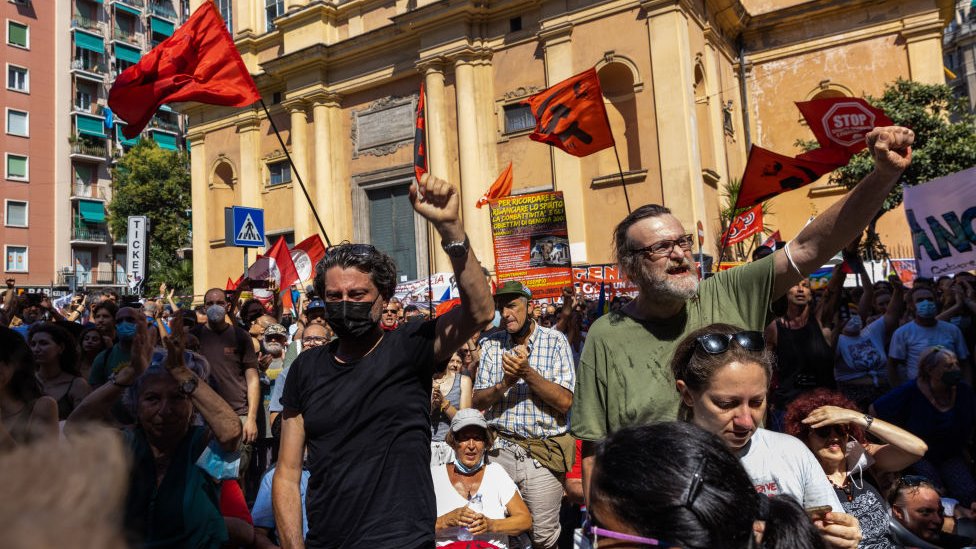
(722, 375)
(833, 429)
(940, 408)
(696, 495)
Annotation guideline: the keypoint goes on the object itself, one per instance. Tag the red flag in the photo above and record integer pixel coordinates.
(772, 240)
(420, 138)
(747, 223)
(841, 123)
(276, 266)
(231, 285)
(501, 188)
(445, 307)
(769, 174)
(571, 115)
(306, 254)
(198, 63)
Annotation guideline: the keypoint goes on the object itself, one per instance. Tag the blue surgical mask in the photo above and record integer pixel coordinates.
(497, 321)
(925, 309)
(468, 470)
(126, 331)
(219, 464)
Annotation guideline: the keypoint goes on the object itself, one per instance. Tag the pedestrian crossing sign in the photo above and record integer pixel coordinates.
(244, 227)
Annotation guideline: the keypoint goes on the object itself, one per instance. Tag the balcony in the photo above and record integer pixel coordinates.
(88, 24)
(165, 11)
(129, 37)
(157, 123)
(89, 192)
(121, 241)
(88, 233)
(93, 70)
(134, 3)
(90, 151)
(91, 277)
(91, 108)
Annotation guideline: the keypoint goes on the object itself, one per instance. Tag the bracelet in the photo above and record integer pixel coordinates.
(868, 420)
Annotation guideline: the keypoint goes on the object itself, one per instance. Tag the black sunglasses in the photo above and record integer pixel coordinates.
(716, 344)
(825, 432)
(912, 480)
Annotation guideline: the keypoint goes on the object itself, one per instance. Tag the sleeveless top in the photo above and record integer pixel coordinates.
(65, 404)
(440, 423)
(803, 361)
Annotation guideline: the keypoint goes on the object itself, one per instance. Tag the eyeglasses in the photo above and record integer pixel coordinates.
(716, 344)
(825, 432)
(593, 532)
(664, 247)
(389, 311)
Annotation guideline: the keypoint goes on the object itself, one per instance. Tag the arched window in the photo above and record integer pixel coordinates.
(223, 180)
(620, 82)
(706, 149)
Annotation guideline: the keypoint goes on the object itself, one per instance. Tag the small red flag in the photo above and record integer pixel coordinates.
(501, 188)
(746, 224)
(199, 62)
(445, 307)
(306, 254)
(420, 139)
(231, 285)
(769, 174)
(772, 240)
(571, 115)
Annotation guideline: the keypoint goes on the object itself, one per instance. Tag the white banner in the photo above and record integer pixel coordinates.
(940, 216)
(415, 291)
(135, 259)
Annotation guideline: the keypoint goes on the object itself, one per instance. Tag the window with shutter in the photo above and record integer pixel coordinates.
(391, 227)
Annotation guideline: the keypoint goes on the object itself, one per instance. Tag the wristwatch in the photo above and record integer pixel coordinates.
(456, 249)
(868, 420)
(189, 385)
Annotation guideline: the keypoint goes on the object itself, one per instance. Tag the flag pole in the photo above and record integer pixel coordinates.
(725, 241)
(620, 169)
(430, 283)
(297, 175)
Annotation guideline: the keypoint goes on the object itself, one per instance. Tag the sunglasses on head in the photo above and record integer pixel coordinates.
(912, 481)
(716, 344)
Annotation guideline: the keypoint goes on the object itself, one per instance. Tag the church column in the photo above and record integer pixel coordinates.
(473, 184)
(303, 225)
(330, 193)
(248, 132)
(199, 189)
(437, 136)
(680, 160)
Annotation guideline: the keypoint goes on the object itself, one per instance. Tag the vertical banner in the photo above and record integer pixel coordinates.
(940, 215)
(532, 242)
(135, 257)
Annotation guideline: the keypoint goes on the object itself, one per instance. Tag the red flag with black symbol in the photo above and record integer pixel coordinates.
(772, 240)
(501, 188)
(769, 174)
(199, 62)
(571, 115)
(747, 223)
(420, 139)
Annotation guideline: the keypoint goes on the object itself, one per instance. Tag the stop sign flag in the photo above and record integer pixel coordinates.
(840, 123)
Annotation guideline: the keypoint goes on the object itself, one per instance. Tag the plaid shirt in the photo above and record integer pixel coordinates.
(519, 412)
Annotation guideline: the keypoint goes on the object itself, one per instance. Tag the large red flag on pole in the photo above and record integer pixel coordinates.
(198, 63)
(571, 115)
(420, 139)
(501, 188)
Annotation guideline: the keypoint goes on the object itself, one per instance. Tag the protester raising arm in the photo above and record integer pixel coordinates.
(438, 202)
(891, 149)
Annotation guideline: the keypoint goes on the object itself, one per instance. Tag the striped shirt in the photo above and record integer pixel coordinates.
(520, 412)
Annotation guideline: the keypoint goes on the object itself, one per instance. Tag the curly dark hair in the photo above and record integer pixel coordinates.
(108, 305)
(69, 354)
(810, 401)
(364, 257)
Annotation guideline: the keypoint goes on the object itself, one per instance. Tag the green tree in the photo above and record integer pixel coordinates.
(155, 182)
(945, 136)
(945, 143)
(730, 195)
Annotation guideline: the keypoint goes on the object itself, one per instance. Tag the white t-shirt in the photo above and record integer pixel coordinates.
(782, 464)
(863, 355)
(497, 489)
(910, 340)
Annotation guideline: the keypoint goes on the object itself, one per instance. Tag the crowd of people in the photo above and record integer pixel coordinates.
(742, 410)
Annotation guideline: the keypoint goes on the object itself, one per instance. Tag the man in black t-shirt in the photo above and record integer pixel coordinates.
(361, 404)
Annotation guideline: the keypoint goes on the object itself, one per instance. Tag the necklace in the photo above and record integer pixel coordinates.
(371, 349)
(846, 487)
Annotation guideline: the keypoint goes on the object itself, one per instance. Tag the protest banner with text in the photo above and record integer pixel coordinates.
(940, 216)
(532, 242)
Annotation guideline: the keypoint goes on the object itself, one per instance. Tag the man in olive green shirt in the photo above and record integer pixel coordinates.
(624, 374)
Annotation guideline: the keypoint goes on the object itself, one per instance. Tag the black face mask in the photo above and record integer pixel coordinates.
(350, 319)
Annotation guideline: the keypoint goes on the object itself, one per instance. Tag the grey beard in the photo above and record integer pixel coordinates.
(665, 288)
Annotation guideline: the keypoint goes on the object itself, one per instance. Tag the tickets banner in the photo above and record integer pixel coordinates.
(532, 242)
(940, 215)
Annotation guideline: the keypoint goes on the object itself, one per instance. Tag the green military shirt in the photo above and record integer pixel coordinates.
(624, 374)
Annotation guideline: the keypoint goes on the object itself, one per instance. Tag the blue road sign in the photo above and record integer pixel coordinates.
(247, 228)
